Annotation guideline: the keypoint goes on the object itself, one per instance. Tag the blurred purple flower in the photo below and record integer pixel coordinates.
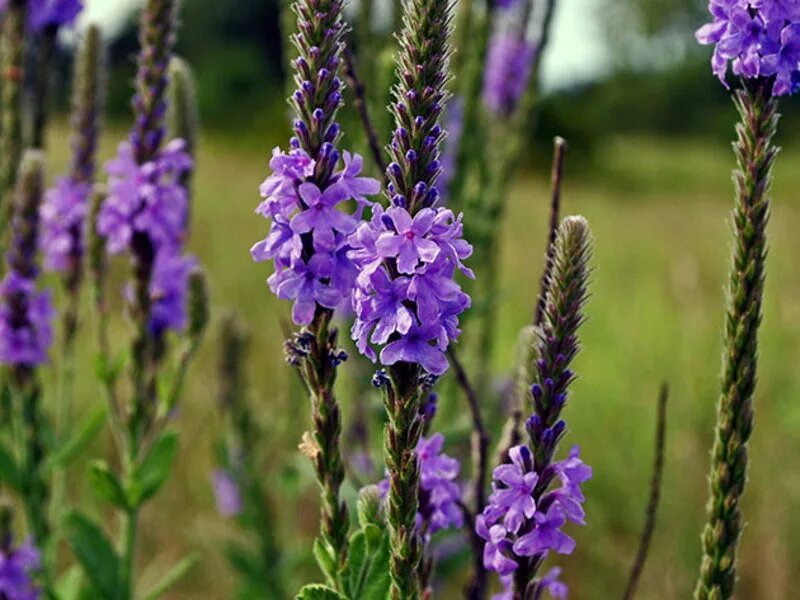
(62, 217)
(227, 493)
(49, 13)
(509, 61)
(26, 330)
(17, 569)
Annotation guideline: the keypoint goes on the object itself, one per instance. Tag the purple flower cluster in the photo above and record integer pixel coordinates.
(406, 296)
(520, 522)
(62, 216)
(150, 199)
(26, 329)
(759, 38)
(439, 494)
(507, 71)
(308, 237)
(17, 566)
(49, 13)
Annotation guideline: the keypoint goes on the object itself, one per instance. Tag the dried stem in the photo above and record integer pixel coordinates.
(556, 179)
(480, 467)
(655, 496)
(362, 108)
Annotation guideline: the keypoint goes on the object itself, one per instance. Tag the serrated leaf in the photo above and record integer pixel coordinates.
(317, 591)
(106, 485)
(325, 560)
(84, 435)
(154, 470)
(9, 471)
(95, 554)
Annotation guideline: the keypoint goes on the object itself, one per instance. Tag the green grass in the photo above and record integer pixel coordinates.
(658, 211)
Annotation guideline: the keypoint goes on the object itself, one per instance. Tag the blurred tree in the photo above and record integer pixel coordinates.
(235, 49)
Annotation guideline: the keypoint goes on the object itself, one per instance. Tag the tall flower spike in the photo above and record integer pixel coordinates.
(25, 314)
(407, 255)
(755, 155)
(26, 334)
(65, 207)
(12, 56)
(309, 246)
(523, 520)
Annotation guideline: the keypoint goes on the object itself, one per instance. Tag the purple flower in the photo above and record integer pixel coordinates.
(26, 330)
(515, 495)
(308, 237)
(227, 493)
(552, 583)
(307, 284)
(507, 71)
(438, 488)
(17, 567)
(49, 13)
(758, 38)
(546, 534)
(422, 344)
(517, 523)
(439, 494)
(147, 199)
(168, 289)
(320, 215)
(62, 217)
(421, 301)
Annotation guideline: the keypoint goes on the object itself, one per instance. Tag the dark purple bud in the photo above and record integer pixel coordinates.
(419, 121)
(380, 378)
(394, 170)
(400, 201)
(411, 156)
(318, 114)
(323, 73)
(537, 392)
(332, 133)
(307, 86)
(387, 222)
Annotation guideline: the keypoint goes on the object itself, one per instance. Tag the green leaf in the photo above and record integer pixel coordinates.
(155, 468)
(69, 585)
(9, 471)
(317, 591)
(325, 559)
(85, 434)
(357, 563)
(106, 485)
(172, 577)
(377, 581)
(95, 554)
(107, 369)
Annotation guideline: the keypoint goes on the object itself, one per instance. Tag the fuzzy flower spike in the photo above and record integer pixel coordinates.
(762, 38)
(305, 199)
(758, 39)
(407, 302)
(534, 496)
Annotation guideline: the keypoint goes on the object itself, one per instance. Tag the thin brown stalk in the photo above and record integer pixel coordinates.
(480, 466)
(362, 108)
(655, 496)
(556, 179)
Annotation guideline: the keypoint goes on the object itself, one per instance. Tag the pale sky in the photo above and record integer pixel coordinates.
(577, 51)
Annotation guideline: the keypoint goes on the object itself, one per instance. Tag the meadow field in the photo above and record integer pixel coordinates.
(659, 213)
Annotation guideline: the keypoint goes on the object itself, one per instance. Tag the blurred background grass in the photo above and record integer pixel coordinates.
(650, 170)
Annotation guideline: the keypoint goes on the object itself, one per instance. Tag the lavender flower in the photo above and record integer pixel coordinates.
(227, 493)
(147, 198)
(63, 213)
(25, 314)
(439, 494)
(507, 72)
(17, 568)
(168, 291)
(758, 38)
(43, 14)
(521, 520)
